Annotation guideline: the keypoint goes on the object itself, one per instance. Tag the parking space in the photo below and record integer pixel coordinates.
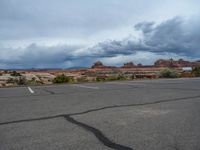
(150, 114)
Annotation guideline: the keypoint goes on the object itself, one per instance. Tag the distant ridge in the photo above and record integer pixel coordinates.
(77, 67)
(43, 69)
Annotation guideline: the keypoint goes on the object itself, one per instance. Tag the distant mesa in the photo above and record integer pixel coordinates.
(100, 65)
(176, 63)
(132, 65)
(129, 65)
(139, 65)
(170, 63)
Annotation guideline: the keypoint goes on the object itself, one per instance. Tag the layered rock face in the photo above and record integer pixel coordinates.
(174, 63)
(99, 65)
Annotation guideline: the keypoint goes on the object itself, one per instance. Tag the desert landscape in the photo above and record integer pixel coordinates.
(99, 72)
(99, 75)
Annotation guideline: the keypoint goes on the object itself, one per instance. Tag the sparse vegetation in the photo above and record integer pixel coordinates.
(100, 73)
(11, 80)
(18, 81)
(169, 73)
(82, 79)
(121, 77)
(15, 74)
(196, 71)
(34, 82)
(21, 80)
(62, 79)
(112, 78)
(100, 78)
(5, 71)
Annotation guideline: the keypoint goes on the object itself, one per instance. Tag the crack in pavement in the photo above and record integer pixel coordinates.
(48, 91)
(137, 104)
(98, 134)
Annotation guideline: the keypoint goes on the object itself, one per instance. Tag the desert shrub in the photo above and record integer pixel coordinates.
(196, 71)
(99, 79)
(169, 73)
(61, 79)
(111, 78)
(133, 76)
(19, 81)
(15, 74)
(1, 74)
(121, 77)
(82, 79)
(11, 80)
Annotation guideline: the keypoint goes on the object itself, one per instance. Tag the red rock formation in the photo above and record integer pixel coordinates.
(129, 65)
(174, 63)
(99, 65)
(139, 65)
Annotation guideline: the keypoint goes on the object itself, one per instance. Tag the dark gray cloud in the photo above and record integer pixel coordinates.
(177, 37)
(112, 48)
(38, 56)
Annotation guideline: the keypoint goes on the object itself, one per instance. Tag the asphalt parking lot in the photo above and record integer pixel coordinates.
(124, 115)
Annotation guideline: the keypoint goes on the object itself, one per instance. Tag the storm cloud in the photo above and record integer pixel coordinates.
(178, 35)
(37, 56)
(70, 33)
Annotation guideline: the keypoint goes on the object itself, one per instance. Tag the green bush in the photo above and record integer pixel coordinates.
(196, 71)
(169, 73)
(61, 79)
(111, 78)
(99, 79)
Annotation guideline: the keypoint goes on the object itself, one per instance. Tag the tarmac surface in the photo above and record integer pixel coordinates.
(123, 115)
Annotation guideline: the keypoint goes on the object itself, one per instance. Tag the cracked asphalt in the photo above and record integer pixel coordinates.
(127, 115)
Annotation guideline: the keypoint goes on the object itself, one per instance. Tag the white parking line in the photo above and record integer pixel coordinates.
(88, 87)
(30, 90)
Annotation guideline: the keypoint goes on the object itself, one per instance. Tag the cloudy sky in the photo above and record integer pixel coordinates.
(71, 33)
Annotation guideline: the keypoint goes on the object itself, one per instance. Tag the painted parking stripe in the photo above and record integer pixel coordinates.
(30, 90)
(88, 87)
